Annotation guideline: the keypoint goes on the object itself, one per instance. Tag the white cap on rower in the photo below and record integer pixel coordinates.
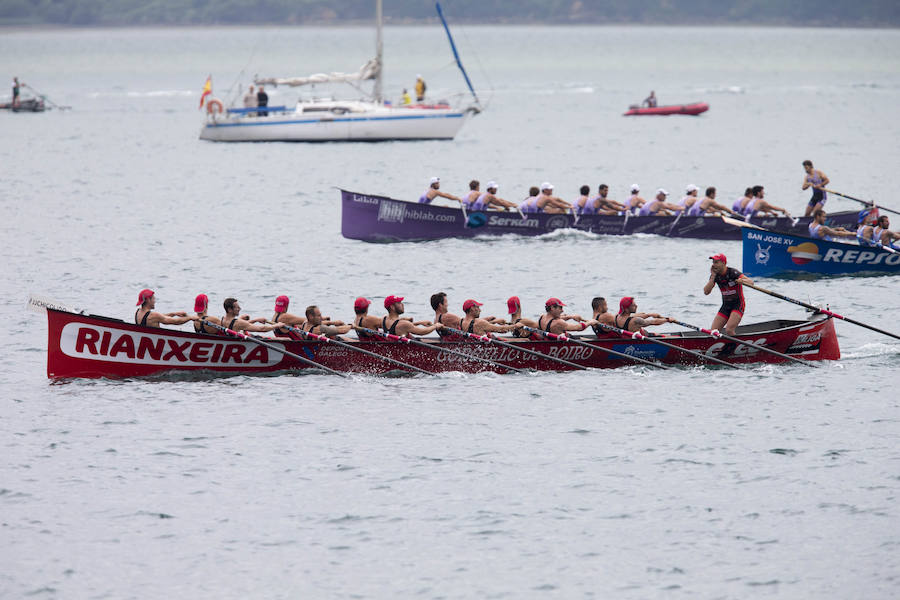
(546, 186)
(691, 188)
(491, 185)
(434, 180)
(635, 187)
(662, 191)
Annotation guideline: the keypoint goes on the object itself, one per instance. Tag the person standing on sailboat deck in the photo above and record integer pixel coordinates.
(405, 99)
(420, 89)
(250, 98)
(262, 101)
(16, 86)
(433, 191)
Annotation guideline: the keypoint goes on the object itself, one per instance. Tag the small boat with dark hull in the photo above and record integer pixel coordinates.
(91, 346)
(373, 218)
(26, 105)
(693, 110)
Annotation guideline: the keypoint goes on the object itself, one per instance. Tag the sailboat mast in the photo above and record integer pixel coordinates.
(379, 98)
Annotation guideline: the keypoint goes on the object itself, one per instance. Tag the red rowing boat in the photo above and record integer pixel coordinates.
(92, 346)
(672, 109)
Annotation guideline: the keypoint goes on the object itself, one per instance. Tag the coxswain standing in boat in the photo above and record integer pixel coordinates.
(730, 282)
(283, 317)
(489, 198)
(817, 180)
(758, 205)
(471, 323)
(146, 316)
(709, 206)
(434, 191)
(554, 321)
(631, 320)
(201, 306)
(396, 325)
(634, 202)
(235, 321)
(819, 231)
(650, 101)
(658, 206)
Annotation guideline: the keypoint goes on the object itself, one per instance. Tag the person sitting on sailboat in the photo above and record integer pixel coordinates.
(405, 99)
(433, 191)
(485, 200)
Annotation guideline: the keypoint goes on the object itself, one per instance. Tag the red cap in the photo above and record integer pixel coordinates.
(470, 303)
(361, 303)
(200, 303)
(513, 304)
(719, 257)
(281, 303)
(552, 302)
(625, 303)
(144, 296)
(392, 300)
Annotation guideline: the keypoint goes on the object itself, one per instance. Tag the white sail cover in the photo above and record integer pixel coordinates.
(369, 70)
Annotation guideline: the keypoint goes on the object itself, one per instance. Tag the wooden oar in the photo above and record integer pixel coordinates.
(328, 340)
(637, 335)
(256, 340)
(435, 347)
(866, 202)
(718, 334)
(739, 223)
(489, 340)
(675, 222)
(817, 309)
(565, 338)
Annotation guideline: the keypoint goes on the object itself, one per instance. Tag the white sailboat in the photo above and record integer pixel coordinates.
(321, 120)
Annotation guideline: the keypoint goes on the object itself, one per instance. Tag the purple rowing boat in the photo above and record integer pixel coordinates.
(372, 218)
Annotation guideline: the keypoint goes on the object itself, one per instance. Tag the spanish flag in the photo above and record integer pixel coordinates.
(207, 90)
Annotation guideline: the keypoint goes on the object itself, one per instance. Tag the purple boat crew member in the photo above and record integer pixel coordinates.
(742, 202)
(603, 205)
(634, 202)
(549, 203)
(690, 198)
(709, 205)
(819, 231)
(584, 205)
(882, 231)
(865, 232)
(817, 180)
(472, 195)
(529, 204)
(433, 191)
(490, 198)
(757, 204)
(658, 206)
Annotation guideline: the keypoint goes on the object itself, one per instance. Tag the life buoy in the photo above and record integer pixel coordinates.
(215, 106)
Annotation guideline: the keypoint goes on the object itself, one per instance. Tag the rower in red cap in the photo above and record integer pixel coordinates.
(471, 323)
(396, 325)
(201, 305)
(514, 306)
(729, 281)
(364, 320)
(554, 321)
(631, 320)
(146, 316)
(284, 317)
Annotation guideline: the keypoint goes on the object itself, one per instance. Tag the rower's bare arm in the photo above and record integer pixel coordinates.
(260, 328)
(448, 196)
(710, 284)
(572, 318)
(407, 328)
(744, 279)
(825, 180)
(171, 320)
